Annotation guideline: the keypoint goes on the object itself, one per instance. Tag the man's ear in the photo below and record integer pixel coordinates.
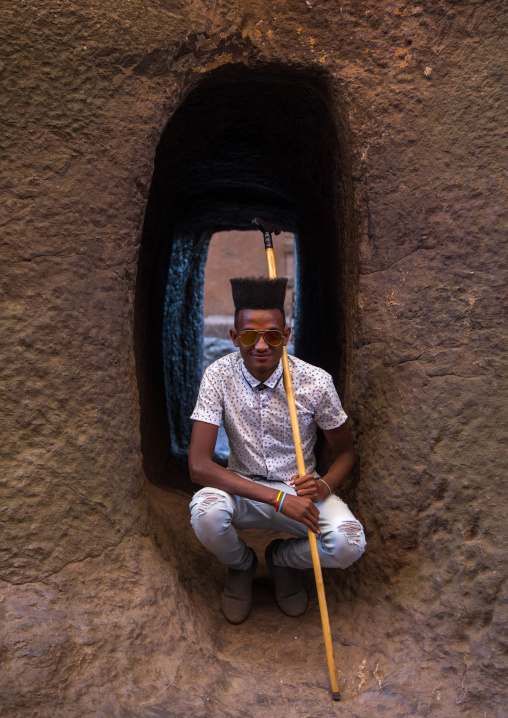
(234, 337)
(287, 334)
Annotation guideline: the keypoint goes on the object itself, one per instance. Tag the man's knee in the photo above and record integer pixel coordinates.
(345, 544)
(210, 510)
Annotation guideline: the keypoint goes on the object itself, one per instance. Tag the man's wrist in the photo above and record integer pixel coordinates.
(327, 486)
(273, 499)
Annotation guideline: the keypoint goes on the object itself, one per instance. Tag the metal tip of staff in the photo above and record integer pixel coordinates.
(265, 227)
(336, 696)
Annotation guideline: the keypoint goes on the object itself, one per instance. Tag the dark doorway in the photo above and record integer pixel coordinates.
(244, 143)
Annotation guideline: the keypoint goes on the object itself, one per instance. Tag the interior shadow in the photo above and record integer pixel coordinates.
(244, 143)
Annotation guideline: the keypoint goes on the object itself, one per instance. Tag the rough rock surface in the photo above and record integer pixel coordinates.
(108, 604)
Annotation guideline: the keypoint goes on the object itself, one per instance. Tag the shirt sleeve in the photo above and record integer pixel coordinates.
(329, 412)
(209, 405)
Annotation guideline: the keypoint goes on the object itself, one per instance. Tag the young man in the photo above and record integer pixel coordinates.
(259, 489)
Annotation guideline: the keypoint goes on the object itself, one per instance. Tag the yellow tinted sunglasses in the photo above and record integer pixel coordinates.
(251, 336)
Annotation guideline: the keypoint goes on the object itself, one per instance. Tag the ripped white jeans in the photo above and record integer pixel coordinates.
(216, 516)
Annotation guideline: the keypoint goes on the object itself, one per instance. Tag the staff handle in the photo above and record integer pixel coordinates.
(300, 462)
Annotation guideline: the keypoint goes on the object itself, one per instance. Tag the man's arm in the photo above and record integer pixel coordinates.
(345, 456)
(342, 465)
(205, 471)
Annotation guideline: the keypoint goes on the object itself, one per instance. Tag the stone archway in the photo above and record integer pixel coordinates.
(244, 142)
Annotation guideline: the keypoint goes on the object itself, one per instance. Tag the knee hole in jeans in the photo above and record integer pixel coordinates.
(208, 499)
(353, 531)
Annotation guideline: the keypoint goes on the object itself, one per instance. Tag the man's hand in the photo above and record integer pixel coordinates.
(307, 486)
(301, 509)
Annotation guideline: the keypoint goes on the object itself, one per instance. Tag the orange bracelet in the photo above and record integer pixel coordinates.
(320, 490)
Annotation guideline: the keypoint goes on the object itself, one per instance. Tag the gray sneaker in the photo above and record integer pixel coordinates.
(236, 598)
(290, 595)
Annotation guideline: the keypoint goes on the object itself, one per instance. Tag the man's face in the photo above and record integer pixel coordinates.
(261, 359)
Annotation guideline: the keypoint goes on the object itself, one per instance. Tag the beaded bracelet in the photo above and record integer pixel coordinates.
(280, 505)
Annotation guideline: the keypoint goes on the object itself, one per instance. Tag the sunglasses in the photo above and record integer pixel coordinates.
(251, 336)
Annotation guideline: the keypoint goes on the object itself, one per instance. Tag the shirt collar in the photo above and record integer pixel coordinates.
(270, 382)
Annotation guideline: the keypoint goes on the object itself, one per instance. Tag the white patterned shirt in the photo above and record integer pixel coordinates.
(257, 420)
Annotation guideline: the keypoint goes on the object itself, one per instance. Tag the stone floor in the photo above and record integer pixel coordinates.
(136, 632)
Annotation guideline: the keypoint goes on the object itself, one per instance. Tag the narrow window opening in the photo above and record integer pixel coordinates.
(244, 143)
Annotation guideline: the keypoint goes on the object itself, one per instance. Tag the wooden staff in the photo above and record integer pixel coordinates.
(268, 230)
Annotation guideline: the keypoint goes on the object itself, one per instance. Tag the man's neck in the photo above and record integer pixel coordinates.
(262, 376)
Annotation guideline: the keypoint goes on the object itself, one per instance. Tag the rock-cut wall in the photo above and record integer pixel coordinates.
(108, 606)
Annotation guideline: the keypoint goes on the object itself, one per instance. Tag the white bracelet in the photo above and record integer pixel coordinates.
(329, 489)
